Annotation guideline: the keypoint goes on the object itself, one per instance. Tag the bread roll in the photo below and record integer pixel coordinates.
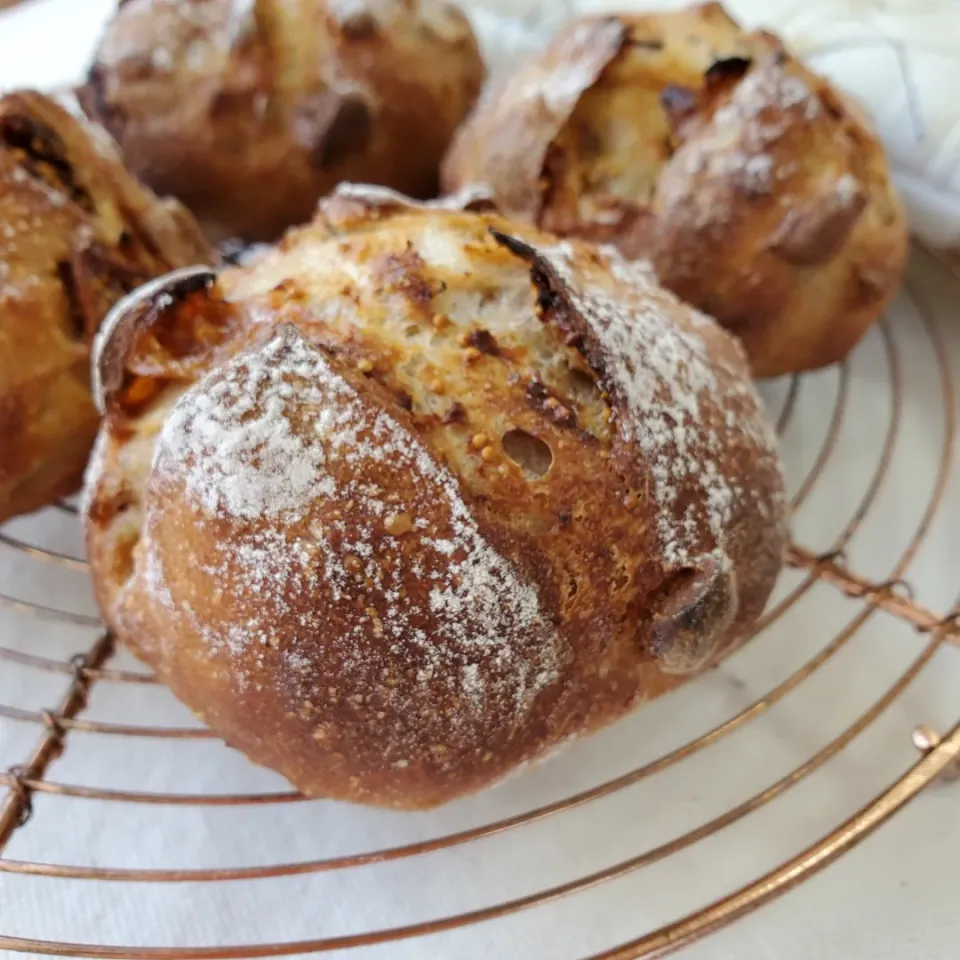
(249, 112)
(422, 494)
(76, 233)
(759, 193)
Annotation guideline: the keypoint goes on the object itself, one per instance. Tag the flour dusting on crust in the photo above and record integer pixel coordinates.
(282, 447)
(665, 377)
(767, 101)
(245, 459)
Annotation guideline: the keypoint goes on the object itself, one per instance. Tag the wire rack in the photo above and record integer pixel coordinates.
(938, 752)
(45, 795)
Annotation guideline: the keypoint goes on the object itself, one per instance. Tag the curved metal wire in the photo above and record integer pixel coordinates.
(509, 907)
(59, 666)
(687, 750)
(45, 554)
(893, 595)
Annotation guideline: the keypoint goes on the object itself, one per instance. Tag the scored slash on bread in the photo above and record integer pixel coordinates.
(422, 494)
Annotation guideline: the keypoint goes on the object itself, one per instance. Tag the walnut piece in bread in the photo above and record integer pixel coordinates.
(422, 494)
(758, 191)
(249, 112)
(76, 234)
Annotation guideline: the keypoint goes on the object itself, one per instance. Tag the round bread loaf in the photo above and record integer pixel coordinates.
(76, 234)
(759, 193)
(249, 112)
(422, 494)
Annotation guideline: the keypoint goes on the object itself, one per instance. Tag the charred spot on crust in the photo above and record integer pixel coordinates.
(43, 155)
(552, 301)
(542, 399)
(513, 244)
(455, 415)
(484, 341)
(547, 299)
(404, 273)
(77, 325)
(546, 302)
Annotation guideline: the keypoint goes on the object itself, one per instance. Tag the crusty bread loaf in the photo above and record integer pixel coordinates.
(249, 112)
(758, 192)
(76, 233)
(422, 494)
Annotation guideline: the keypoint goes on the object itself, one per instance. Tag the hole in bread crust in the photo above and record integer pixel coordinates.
(529, 453)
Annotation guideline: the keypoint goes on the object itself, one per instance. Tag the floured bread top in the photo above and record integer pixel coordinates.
(277, 430)
(430, 466)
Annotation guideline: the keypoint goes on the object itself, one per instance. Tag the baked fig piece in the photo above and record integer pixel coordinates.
(759, 193)
(249, 112)
(76, 234)
(422, 494)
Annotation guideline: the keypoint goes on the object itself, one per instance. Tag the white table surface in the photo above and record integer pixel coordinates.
(893, 898)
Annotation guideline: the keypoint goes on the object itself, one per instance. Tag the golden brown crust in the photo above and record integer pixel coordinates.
(76, 233)
(449, 494)
(251, 112)
(777, 215)
(758, 192)
(523, 114)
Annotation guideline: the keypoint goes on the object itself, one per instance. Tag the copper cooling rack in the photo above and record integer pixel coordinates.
(938, 752)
